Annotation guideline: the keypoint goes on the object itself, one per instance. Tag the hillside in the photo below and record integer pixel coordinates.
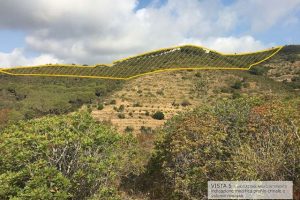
(132, 107)
(29, 97)
(177, 58)
(158, 136)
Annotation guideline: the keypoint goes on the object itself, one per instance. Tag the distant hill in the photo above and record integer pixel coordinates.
(169, 59)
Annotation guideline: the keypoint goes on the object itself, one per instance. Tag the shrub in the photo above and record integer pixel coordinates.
(89, 108)
(160, 92)
(147, 113)
(237, 85)
(295, 82)
(198, 74)
(236, 95)
(258, 70)
(185, 103)
(100, 91)
(137, 104)
(64, 157)
(113, 102)
(121, 115)
(226, 90)
(226, 142)
(146, 130)
(158, 115)
(121, 108)
(129, 129)
(100, 106)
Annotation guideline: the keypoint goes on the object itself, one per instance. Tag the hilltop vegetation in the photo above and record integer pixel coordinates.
(171, 58)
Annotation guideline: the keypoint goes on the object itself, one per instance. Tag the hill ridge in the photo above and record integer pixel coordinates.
(185, 57)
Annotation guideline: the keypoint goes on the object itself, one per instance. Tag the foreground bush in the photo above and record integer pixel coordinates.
(241, 139)
(65, 157)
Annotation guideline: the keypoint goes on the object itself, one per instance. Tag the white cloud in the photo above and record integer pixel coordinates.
(233, 44)
(92, 31)
(262, 15)
(17, 58)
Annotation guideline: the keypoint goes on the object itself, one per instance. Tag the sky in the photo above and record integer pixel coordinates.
(100, 31)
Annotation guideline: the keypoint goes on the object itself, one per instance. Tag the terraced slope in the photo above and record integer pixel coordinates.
(178, 58)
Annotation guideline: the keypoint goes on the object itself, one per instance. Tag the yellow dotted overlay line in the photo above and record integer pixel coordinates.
(277, 49)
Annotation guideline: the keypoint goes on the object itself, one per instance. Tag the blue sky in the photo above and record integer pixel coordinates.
(87, 31)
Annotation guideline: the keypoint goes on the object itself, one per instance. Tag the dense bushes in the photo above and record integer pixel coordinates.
(225, 142)
(295, 82)
(31, 97)
(66, 157)
(258, 70)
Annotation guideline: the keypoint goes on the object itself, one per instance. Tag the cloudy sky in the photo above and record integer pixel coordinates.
(99, 31)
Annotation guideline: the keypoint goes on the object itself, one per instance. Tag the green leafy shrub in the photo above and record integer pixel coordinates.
(100, 106)
(158, 115)
(64, 157)
(237, 85)
(225, 142)
(258, 70)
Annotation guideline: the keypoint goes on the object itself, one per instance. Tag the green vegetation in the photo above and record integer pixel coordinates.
(129, 129)
(187, 56)
(31, 97)
(237, 85)
(50, 150)
(100, 106)
(121, 108)
(121, 115)
(158, 115)
(226, 141)
(295, 82)
(146, 130)
(113, 102)
(64, 157)
(259, 70)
